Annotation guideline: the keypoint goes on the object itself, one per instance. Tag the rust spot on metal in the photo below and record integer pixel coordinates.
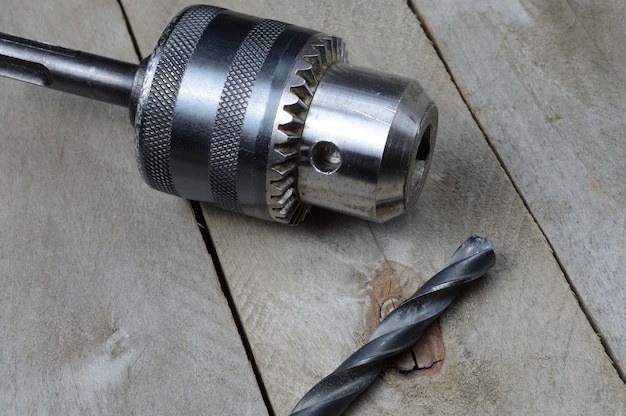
(393, 284)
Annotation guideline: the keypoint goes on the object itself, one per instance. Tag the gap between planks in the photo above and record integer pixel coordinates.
(432, 37)
(131, 33)
(210, 247)
(219, 271)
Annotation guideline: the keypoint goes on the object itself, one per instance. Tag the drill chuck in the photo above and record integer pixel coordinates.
(256, 116)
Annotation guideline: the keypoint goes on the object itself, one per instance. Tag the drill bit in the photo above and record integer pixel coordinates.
(398, 331)
(255, 116)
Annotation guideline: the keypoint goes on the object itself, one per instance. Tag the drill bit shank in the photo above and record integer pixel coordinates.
(398, 331)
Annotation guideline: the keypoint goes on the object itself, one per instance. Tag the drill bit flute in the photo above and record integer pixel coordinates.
(255, 116)
(398, 331)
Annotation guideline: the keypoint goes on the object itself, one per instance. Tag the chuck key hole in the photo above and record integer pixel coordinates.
(325, 157)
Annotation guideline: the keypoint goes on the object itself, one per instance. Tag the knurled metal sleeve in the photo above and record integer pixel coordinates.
(225, 137)
(156, 112)
(398, 331)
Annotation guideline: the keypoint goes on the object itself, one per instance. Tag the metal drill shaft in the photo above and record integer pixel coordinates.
(66, 70)
(398, 331)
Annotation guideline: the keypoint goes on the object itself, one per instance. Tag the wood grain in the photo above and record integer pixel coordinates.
(546, 82)
(517, 343)
(109, 302)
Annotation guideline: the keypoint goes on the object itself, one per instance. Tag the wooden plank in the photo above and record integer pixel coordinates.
(109, 300)
(546, 82)
(517, 343)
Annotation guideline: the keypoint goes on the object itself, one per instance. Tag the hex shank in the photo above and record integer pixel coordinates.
(66, 70)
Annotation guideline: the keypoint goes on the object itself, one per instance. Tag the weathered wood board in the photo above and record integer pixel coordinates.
(517, 343)
(109, 303)
(546, 81)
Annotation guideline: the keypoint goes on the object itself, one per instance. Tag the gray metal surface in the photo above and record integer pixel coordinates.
(374, 168)
(66, 70)
(157, 95)
(224, 150)
(398, 331)
(255, 116)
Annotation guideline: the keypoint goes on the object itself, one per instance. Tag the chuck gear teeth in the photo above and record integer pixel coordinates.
(316, 57)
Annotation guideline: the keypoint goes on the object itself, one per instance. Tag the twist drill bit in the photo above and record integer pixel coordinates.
(255, 116)
(398, 331)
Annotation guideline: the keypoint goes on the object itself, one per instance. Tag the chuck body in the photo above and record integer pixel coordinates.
(256, 116)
